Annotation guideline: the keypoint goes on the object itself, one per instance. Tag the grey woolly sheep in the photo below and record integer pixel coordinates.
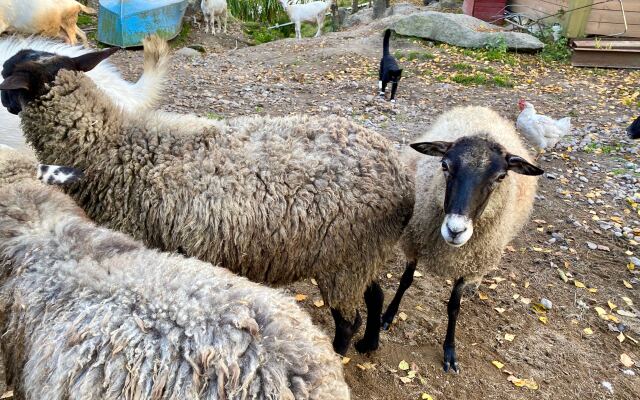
(273, 199)
(88, 313)
(465, 190)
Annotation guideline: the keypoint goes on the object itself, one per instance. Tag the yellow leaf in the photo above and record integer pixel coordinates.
(402, 316)
(509, 337)
(482, 296)
(345, 360)
(631, 266)
(525, 300)
(497, 364)
(301, 297)
(515, 296)
(544, 320)
(537, 249)
(426, 397)
(611, 305)
(587, 331)
(493, 286)
(563, 276)
(389, 276)
(621, 337)
(319, 303)
(403, 366)
(404, 379)
(314, 282)
(627, 284)
(600, 311)
(592, 290)
(498, 279)
(366, 365)
(628, 301)
(626, 360)
(417, 274)
(500, 310)
(578, 284)
(616, 219)
(411, 374)
(528, 383)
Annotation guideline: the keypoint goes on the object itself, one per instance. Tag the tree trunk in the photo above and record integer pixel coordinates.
(354, 6)
(379, 7)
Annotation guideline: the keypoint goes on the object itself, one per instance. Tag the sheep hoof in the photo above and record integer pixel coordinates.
(386, 320)
(366, 346)
(450, 361)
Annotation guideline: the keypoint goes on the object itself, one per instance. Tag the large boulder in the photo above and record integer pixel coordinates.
(462, 30)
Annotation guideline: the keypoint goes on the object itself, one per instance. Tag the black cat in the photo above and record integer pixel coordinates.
(634, 129)
(389, 71)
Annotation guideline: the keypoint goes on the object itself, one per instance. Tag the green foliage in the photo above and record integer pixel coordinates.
(557, 51)
(183, 37)
(471, 79)
(413, 55)
(214, 116)
(462, 67)
(502, 81)
(85, 20)
(268, 11)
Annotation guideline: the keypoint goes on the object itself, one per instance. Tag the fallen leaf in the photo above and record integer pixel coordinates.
(621, 337)
(426, 397)
(417, 274)
(626, 360)
(389, 276)
(500, 310)
(611, 305)
(544, 320)
(482, 296)
(493, 286)
(628, 301)
(528, 383)
(402, 316)
(509, 337)
(563, 276)
(587, 331)
(626, 313)
(7, 395)
(411, 374)
(627, 284)
(314, 282)
(366, 365)
(345, 360)
(631, 266)
(600, 311)
(497, 364)
(301, 297)
(579, 284)
(318, 303)
(592, 290)
(403, 366)
(511, 249)
(515, 296)
(498, 279)
(404, 379)
(525, 300)
(526, 284)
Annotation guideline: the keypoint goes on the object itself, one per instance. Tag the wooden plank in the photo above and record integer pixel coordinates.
(614, 17)
(614, 5)
(576, 21)
(606, 59)
(595, 28)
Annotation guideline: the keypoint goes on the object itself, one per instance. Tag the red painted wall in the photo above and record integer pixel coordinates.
(486, 10)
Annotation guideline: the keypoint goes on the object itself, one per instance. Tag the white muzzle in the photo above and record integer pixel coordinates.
(456, 229)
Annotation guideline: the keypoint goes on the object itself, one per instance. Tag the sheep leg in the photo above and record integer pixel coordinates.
(453, 308)
(320, 22)
(298, 34)
(405, 283)
(374, 299)
(344, 331)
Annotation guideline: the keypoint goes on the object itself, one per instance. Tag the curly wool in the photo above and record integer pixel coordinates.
(273, 199)
(88, 313)
(508, 208)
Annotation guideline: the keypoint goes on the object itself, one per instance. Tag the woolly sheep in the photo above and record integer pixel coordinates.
(88, 313)
(313, 12)
(53, 18)
(465, 190)
(273, 199)
(214, 11)
(134, 97)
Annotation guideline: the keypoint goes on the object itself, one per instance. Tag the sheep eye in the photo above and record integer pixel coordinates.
(445, 166)
(501, 177)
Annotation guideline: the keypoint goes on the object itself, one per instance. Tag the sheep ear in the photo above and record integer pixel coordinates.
(58, 175)
(15, 82)
(519, 165)
(87, 62)
(436, 149)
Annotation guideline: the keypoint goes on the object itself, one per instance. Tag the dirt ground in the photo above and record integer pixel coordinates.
(585, 199)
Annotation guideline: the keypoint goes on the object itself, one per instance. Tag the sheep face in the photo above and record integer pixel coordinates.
(27, 74)
(58, 175)
(634, 129)
(473, 167)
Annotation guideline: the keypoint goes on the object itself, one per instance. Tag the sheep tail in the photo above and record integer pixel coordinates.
(156, 64)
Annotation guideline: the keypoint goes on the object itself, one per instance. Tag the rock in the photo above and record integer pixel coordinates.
(546, 303)
(635, 261)
(461, 30)
(198, 47)
(592, 245)
(188, 52)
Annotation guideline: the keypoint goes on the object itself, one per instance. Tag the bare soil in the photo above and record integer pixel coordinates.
(337, 75)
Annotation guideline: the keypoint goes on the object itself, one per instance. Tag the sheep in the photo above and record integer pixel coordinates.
(54, 18)
(139, 96)
(88, 313)
(633, 130)
(313, 12)
(273, 199)
(214, 10)
(473, 196)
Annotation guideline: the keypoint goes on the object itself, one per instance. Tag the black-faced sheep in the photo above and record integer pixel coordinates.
(633, 131)
(467, 206)
(273, 199)
(133, 97)
(88, 313)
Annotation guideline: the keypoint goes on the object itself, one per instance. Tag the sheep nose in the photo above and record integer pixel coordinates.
(456, 231)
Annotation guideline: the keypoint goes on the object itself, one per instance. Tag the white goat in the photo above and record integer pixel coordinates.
(54, 18)
(214, 10)
(313, 12)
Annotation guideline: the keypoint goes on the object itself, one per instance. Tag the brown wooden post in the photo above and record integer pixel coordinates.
(576, 21)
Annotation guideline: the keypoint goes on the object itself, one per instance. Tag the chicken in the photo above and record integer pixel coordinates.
(543, 132)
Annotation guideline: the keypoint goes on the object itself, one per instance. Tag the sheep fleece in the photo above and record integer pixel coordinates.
(507, 210)
(273, 199)
(88, 313)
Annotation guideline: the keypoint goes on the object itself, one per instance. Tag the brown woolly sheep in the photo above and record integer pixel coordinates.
(273, 199)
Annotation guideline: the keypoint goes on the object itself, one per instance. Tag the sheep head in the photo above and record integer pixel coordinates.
(28, 73)
(473, 167)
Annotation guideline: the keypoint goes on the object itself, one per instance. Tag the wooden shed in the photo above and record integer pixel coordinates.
(486, 10)
(594, 17)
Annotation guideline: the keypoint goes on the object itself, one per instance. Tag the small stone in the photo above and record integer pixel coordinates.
(187, 52)
(592, 245)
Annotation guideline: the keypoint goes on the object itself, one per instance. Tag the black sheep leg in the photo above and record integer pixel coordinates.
(374, 299)
(344, 331)
(405, 283)
(453, 308)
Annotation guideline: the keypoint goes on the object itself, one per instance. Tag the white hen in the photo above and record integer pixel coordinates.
(542, 131)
